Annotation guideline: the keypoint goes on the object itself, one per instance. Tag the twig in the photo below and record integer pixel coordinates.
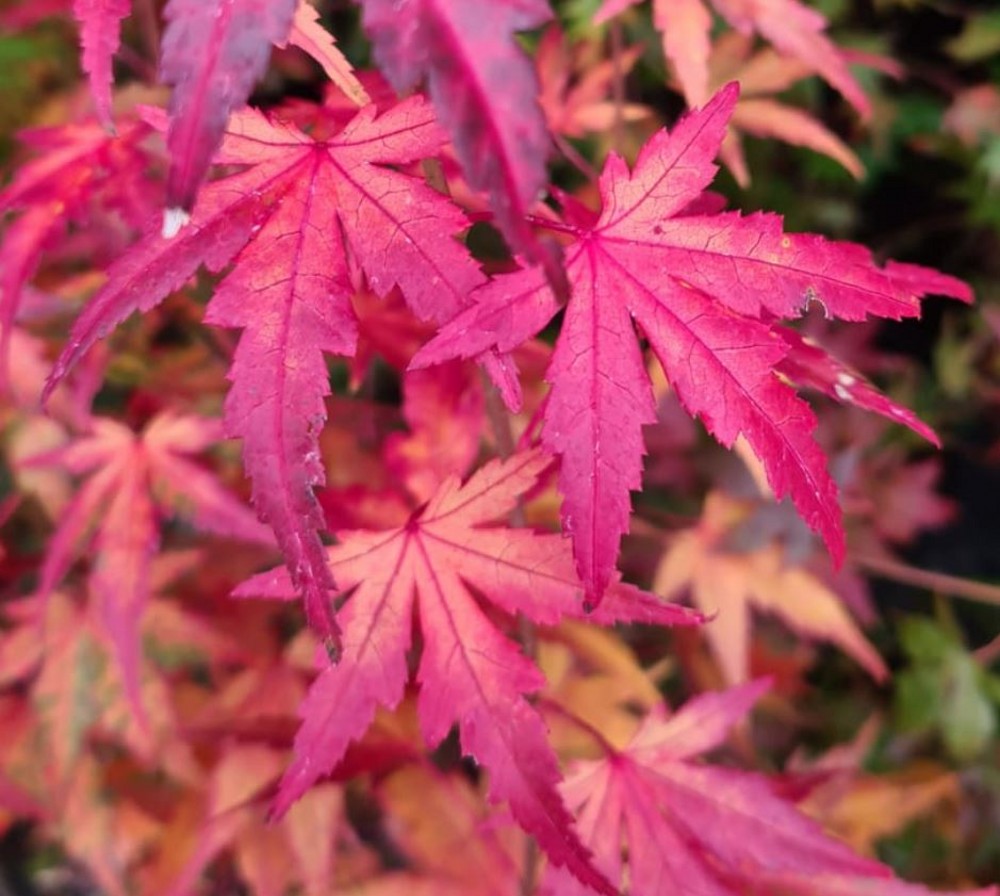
(149, 27)
(500, 422)
(618, 84)
(496, 413)
(143, 68)
(575, 158)
(938, 582)
(575, 720)
(529, 867)
(988, 654)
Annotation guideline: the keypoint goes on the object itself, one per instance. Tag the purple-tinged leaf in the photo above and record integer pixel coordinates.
(484, 89)
(213, 53)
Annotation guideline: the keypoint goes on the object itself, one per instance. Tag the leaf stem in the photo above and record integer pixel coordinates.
(575, 158)
(142, 67)
(550, 224)
(618, 84)
(496, 413)
(558, 709)
(529, 867)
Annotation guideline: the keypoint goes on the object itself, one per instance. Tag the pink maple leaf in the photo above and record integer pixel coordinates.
(133, 481)
(100, 35)
(794, 29)
(704, 290)
(311, 37)
(76, 165)
(483, 86)
(470, 673)
(809, 364)
(290, 222)
(681, 826)
(686, 27)
(212, 54)
(445, 411)
(762, 74)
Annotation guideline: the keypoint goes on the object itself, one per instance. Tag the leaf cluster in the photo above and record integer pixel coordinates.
(417, 479)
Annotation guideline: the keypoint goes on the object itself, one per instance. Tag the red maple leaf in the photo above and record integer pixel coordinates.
(705, 290)
(297, 223)
(686, 827)
(483, 86)
(470, 674)
(133, 481)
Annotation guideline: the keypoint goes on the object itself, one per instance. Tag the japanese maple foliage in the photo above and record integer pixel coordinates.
(350, 283)
(80, 168)
(704, 289)
(446, 548)
(293, 215)
(212, 54)
(100, 24)
(483, 86)
(693, 828)
(730, 583)
(791, 26)
(133, 483)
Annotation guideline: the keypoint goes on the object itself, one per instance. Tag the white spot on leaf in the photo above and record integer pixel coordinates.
(173, 220)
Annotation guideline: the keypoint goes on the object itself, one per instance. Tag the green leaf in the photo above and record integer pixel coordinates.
(918, 699)
(968, 718)
(979, 39)
(924, 641)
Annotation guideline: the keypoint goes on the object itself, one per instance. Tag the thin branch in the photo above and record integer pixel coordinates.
(143, 68)
(499, 419)
(988, 654)
(618, 84)
(575, 158)
(496, 413)
(938, 582)
(529, 867)
(149, 27)
(558, 709)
